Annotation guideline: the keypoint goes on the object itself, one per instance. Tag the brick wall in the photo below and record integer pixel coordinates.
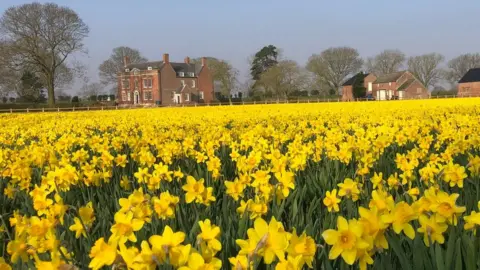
(469, 89)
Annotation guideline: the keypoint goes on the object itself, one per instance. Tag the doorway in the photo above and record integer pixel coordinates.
(136, 98)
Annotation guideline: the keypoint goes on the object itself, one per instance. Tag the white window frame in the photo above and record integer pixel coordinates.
(147, 79)
(128, 96)
(181, 74)
(202, 96)
(193, 83)
(369, 86)
(182, 82)
(187, 96)
(191, 74)
(124, 96)
(145, 95)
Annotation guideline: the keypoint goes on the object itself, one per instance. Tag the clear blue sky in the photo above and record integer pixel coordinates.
(235, 30)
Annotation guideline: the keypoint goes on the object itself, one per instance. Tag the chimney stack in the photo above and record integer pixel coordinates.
(187, 60)
(166, 58)
(126, 61)
(204, 61)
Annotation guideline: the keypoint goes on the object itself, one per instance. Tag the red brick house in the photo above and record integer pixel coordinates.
(165, 83)
(398, 85)
(347, 87)
(469, 84)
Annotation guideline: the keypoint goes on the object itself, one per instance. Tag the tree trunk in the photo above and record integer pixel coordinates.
(51, 91)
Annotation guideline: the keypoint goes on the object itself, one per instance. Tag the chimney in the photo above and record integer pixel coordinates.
(126, 61)
(204, 61)
(187, 60)
(166, 58)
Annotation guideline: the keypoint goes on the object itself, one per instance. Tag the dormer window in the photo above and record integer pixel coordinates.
(127, 70)
(191, 74)
(181, 74)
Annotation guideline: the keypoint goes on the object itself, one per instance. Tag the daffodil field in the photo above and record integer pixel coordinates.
(363, 185)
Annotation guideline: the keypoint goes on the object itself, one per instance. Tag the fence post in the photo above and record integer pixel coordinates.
(27, 110)
(116, 107)
(73, 109)
(243, 102)
(88, 108)
(11, 110)
(102, 108)
(43, 109)
(254, 102)
(58, 109)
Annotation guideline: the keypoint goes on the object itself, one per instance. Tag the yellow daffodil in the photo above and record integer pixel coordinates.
(346, 240)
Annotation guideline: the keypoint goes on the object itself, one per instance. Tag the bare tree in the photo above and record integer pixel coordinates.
(457, 67)
(426, 68)
(42, 37)
(386, 62)
(109, 68)
(283, 79)
(91, 89)
(333, 65)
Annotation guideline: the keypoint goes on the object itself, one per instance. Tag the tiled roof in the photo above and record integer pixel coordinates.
(473, 75)
(406, 84)
(178, 67)
(144, 66)
(354, 78)
(390, 77)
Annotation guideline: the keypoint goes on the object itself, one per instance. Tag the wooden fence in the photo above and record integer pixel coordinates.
(122, 107)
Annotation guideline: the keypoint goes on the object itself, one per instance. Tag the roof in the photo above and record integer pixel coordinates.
(185, 68)
(144, 66)
(390, 77)
(178, 67)
(473, 75)
(406, 84)
(354, 78)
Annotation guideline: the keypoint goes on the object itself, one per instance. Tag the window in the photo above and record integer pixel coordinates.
(173, 94)
(370, 87)
(147, 95)
(193, 83)
(124, 96)
(186, 96)
(466, 90)
(147, 83)
(181, 74)
(191, 74)
(126, 84)
(128, 96)
(419, 90)
(389, 84)
(183, 82)
(201, 95)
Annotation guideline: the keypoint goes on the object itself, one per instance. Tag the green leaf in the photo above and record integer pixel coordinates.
(418, 255)
(439, 257)
(458, 257)
(468, 252)
(450, 248)
(393, 241)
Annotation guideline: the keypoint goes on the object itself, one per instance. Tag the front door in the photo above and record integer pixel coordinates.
(136, 98)
(177, 98)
